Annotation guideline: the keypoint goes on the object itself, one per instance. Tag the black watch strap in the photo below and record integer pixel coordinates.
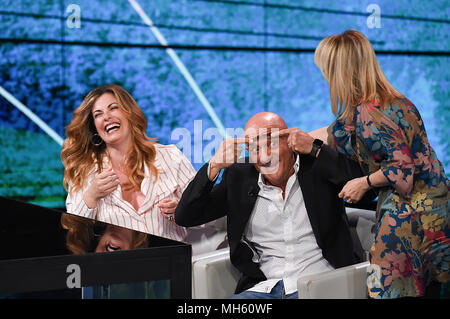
(316, 146)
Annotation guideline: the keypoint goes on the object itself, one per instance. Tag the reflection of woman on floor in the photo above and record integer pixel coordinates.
(87, 235)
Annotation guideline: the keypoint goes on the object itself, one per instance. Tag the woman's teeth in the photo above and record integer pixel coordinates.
(112, 127)
(112, 248)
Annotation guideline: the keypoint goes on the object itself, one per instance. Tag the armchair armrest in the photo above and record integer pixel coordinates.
(213, 275)
(343, 283)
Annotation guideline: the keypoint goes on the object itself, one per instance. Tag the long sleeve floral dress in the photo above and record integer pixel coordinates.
(412, 239)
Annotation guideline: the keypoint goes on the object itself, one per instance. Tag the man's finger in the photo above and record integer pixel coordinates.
(241, 140)
(282, 132)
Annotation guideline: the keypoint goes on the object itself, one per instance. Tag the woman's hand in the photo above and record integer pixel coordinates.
(167, 207)
(102, 185)
(354, 190)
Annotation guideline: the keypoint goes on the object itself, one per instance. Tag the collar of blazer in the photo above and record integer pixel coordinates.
(251, 189)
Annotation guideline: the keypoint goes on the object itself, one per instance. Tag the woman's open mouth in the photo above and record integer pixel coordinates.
(111, 247)
(112, 127)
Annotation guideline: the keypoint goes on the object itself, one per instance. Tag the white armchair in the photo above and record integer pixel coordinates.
(363, 223)
(214, 277)
(343, 283)
(346, 282)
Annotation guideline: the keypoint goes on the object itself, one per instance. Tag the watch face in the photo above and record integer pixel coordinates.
(318, 142)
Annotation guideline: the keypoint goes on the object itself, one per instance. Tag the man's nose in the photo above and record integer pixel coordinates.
(264, 155)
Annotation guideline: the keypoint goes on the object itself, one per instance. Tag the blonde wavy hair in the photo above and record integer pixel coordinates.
(79, 155)
(348, 63)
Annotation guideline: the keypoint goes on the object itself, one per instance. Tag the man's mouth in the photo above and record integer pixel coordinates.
(112, 127)
(269, 168)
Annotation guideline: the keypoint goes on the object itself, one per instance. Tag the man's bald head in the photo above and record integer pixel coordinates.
(267, 120)
(271, 156)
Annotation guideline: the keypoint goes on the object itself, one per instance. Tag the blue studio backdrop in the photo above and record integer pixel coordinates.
(243, 56)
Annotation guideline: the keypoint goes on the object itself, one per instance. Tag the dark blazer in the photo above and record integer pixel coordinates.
(321, 180)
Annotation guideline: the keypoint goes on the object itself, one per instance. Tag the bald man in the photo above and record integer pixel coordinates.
(284, 216)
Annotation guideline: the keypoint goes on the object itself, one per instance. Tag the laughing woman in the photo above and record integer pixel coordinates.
(115, 173)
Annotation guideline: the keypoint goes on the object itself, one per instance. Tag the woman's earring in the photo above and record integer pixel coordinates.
(96, 140)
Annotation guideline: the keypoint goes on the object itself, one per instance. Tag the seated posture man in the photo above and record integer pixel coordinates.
(284, 215)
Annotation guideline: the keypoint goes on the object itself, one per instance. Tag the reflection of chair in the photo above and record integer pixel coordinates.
(213, 276)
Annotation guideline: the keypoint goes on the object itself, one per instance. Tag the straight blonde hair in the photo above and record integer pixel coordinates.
(348, 63)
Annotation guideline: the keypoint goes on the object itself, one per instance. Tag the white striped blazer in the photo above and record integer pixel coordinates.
(174, 174)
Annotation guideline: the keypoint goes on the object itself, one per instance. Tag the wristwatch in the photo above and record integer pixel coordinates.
(316, 146)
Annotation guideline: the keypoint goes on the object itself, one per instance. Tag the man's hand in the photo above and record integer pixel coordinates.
(297, 140)
(102, 185)
(228, 153)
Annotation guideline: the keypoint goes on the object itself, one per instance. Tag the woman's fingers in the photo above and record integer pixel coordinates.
(167, 207)
(167, 203)
(110, 189)
(106, 175)
(348, 194)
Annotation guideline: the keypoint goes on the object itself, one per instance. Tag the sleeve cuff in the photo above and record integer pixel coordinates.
(215, 177)
(80, 208)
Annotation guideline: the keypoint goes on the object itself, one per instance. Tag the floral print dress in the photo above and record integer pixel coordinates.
(412, 239)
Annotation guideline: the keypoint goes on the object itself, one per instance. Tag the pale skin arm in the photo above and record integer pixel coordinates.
(355, 189)
(321, 134)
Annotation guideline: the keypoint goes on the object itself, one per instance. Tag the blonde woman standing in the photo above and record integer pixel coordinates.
(384, 132)
(115, 173)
